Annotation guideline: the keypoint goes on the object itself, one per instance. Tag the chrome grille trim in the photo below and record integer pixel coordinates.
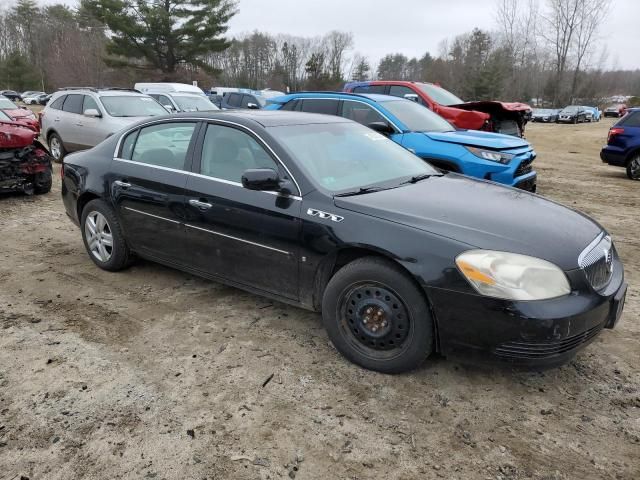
(597, 261)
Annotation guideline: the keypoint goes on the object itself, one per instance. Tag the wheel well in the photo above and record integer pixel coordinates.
(49, 133)
(632, 154)
(83, 199)
(339, 259)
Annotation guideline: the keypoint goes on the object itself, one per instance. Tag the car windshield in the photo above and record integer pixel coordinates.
(542, 111)
(439, 94)
(416, 117)
(343, 157)
(571, 109)
(194, 103)
(132, 106)
(7, 104)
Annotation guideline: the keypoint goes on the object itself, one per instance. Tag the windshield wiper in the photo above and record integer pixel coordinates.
(418, 178)
(361, 191)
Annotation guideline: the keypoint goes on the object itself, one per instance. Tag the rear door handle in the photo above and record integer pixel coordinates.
(122, 184)
(201, 205)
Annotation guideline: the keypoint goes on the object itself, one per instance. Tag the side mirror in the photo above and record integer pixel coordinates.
(252, 106)
(261, 179)
(412, 96)
(381, 127)
(92, 112)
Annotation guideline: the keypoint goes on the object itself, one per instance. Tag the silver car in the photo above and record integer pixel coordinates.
(183, 101)
(80, 118)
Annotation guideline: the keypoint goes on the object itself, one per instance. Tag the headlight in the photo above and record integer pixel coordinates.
(512, 276)
(491, 155)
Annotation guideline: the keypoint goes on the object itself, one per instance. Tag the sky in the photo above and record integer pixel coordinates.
(411, 27)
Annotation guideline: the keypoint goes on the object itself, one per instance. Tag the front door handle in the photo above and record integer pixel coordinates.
(200, 205)
(122, 184)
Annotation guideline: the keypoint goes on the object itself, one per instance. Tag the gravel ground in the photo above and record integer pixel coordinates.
(153, 373)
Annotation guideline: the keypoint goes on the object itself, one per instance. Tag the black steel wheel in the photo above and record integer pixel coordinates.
(377, 317)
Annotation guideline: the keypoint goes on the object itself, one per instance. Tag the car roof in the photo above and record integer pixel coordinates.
(265, 118)
(107, 92)
(374, 97)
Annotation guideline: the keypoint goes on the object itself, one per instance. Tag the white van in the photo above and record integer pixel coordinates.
(178, 97)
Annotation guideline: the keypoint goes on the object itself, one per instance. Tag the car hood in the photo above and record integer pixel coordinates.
(493, 106)
(483, 215)
(476, 138)
(18, 112)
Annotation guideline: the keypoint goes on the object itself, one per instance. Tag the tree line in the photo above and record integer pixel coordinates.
(538, 50)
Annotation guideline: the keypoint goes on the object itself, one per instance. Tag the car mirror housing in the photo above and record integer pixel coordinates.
(381, 127)
(92, 112)
(252, 106)
(261, 179)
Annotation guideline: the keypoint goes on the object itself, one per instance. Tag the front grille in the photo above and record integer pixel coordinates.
(545, 350)
(524, 168)
(597, 262)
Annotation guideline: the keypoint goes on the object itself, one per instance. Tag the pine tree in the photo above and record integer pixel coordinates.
(163, 34)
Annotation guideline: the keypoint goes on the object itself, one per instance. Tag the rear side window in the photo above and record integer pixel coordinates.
(57, 104)
(127, 146)
(632, 119)
(326, 106)
(163, 145)
(369, 89)
(73, 104)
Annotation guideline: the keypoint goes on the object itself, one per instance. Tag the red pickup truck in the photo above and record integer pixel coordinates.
(491, 116)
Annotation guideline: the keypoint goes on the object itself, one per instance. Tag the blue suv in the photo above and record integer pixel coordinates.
(501, 158)
(623, 144)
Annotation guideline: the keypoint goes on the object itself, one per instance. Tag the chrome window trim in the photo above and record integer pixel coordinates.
(208, 120)
(152, 215)
(399, 130)
(206, 177)
(284, 252)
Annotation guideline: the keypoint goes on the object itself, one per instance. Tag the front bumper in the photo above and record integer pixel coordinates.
(543, 333)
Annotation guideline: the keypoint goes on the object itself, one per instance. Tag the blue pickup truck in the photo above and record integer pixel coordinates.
(491, 156)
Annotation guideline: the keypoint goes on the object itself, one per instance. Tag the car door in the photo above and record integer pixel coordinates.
(91, 132)
(70, 121)
(247, 237)
(147, 181)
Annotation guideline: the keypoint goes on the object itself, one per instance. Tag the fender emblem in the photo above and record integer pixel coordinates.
(324, 215)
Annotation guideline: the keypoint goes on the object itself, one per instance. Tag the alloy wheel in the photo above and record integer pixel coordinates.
(55, 147)
(98, 235)
(634, 168)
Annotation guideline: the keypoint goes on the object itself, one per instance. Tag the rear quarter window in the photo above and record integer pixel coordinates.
(632, 119)
(57, 104)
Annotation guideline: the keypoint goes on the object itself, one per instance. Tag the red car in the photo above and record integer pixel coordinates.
(617, 110)
(25, 164)
(491, 116)
(21, 115)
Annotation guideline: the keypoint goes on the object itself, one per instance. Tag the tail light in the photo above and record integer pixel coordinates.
(613, 132)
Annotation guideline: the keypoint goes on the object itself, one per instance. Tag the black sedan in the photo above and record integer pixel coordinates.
(572, 114)
(324, 213)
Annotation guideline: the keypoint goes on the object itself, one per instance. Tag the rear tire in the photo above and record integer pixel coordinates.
(103, 237)
(377, 317)
(633, 167)
(42, 182)
(56, 147)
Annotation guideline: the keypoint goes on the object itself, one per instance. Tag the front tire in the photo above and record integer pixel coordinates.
(42, 182)
(103, 237)
(377, 317)
(56, 147)
(633, 167)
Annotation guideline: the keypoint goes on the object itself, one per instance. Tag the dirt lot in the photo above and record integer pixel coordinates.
(152, 373)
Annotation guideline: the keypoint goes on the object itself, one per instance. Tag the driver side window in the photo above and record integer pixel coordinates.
(227, 152)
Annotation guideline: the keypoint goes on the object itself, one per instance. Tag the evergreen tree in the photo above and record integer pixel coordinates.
(163, 34)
